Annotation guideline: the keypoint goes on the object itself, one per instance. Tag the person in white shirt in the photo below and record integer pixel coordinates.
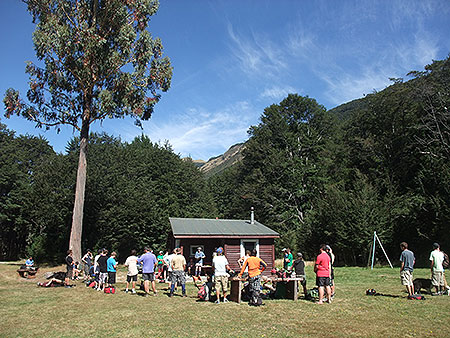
(220, 264)
(168, 263)
(132, 273)
(437, 269)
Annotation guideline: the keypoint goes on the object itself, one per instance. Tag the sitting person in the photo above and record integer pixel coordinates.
(205, 289)
(55, 279)
(29, 263)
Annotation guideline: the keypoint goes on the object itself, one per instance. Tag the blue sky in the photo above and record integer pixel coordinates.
(234, 58)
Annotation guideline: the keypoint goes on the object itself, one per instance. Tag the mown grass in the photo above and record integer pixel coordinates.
(29, 311)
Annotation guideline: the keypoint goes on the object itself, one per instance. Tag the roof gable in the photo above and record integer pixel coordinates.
(219, 227)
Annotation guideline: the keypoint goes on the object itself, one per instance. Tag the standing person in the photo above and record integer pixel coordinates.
(69, 267)
(178, 264)
(168, 262)
(255, 267)
(242, 260)
(199, 256)
(437, 269)
(406, 269)
(111, 266)
(132, 273)
(289, 260)
(220, 264)
(332, 257)
(102, 263)
(160, 259)
(322, 269)
(299, 267)
(87, 262)
(149, 262)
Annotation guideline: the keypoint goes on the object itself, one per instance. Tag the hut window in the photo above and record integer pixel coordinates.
(249, 244)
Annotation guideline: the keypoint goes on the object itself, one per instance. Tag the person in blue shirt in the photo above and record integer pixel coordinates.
(29, 262)
(199, 256)
(111, 265)
(149, 263)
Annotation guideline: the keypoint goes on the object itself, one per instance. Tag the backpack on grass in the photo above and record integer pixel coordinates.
(110, 289)
(416, 296)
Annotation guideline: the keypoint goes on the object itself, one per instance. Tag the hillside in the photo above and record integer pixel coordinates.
(219, 163)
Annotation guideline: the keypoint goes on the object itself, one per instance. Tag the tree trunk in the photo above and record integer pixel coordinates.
(77, 216)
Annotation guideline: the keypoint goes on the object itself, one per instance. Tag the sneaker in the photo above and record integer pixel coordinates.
(133, 291)
(155, 294)
(126, 290)
(225, 300)
(217, 302)
(171, 294)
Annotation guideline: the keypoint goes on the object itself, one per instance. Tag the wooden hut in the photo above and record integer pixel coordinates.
(235, 236)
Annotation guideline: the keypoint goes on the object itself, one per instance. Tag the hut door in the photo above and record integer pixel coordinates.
(249, 244)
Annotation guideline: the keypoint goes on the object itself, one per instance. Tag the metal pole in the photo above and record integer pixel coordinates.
(384, 251)
(373, 252)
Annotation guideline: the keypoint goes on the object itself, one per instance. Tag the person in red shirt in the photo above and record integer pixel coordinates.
(322, 268)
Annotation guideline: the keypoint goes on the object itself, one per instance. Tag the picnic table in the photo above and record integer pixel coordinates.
(291, 287)
(27, 272)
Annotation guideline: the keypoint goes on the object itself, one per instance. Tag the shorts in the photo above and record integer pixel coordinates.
(178, 276)
(437, 278)
(102, 277)
(407, 278)
(69, 273)
(221, 282)
(169, 276)
(148, 276)
(111, 277)
(198, 265)
(322, 281)
(303, 282)
(132, 278)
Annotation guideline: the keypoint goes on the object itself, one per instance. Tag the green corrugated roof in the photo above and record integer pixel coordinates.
(218, 227)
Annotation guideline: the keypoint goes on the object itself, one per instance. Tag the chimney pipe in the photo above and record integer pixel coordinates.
(252, 216)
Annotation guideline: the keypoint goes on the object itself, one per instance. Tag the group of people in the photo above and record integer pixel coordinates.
(438, 262)
(172, 266)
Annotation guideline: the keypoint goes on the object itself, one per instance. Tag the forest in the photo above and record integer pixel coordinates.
(379, 163)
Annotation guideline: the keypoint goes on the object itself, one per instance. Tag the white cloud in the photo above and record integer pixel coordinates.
(277, 93)
(201, 138)
(256, 55)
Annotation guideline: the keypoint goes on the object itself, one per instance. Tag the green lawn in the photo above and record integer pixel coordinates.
(27, 310)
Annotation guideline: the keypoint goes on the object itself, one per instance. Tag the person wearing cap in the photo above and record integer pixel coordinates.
(221, 266)
(299, 267)
(199, 256)
(406, 270)
(437, 269)
(288, 259)
(160, 259)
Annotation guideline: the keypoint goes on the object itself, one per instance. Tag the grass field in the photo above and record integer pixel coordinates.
(30, 311)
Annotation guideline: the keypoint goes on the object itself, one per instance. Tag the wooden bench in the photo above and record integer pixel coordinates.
(27, 273)
(291, 287)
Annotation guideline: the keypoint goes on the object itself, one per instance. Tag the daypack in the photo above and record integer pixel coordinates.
(202, 292)
(446, 261)
(416, 296)
(110, 289)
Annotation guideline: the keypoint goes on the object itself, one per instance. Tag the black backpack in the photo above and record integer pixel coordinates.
(446, 261)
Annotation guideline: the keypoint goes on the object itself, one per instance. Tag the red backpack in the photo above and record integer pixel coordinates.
(110, 289)
(202, 292)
